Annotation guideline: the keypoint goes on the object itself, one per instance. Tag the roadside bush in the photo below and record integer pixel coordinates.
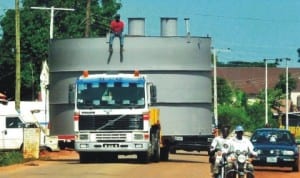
(8, 158)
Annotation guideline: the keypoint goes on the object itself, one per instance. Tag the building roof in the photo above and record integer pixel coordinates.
(252, 79)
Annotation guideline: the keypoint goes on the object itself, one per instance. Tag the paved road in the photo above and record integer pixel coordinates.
(181, 165)
(189, 165)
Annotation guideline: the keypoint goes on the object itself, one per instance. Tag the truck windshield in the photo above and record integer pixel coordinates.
(115, 95)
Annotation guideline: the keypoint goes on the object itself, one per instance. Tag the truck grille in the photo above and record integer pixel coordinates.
(111, 122)
(111, 137)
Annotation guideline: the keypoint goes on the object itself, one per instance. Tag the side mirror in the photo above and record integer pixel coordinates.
(71, 93)
(153, 94)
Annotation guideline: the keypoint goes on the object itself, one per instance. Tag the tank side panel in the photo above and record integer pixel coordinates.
(186, 119)
(61, 122)
(180, 70)
(142, 53)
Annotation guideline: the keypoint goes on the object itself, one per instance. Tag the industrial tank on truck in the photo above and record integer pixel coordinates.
(179, 66)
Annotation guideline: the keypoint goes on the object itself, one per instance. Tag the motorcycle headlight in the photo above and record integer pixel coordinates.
(288, 152)
(258, 151)
(241, 158)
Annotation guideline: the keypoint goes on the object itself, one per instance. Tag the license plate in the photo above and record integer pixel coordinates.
(271, 160)
(110, 145)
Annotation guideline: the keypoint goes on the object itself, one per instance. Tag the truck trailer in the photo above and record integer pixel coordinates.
(179, 67)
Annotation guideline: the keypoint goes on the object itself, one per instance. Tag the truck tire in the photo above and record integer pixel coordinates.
(85, 157)
(144, 157)
(106, 157)
(155, 157)
(164, 154)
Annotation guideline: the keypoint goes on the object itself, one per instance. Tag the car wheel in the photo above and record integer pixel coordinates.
(296, 166)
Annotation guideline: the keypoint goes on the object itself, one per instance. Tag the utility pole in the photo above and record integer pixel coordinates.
(18, 58)
(286, 91)
(52, 16)
(266, 89)
(88, 18)
(215, 51)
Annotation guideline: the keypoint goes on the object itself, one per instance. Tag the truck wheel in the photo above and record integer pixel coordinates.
(173, 150)
(84, 157)
(164, 154)
(107, 157)
(155, 146)
(144, 157)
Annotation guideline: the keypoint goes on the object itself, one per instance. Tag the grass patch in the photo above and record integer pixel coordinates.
(9, 158)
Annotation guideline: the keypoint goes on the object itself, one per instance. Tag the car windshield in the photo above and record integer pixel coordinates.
(272, 137)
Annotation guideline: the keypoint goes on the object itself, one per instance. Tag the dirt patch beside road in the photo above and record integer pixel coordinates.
(66, 154)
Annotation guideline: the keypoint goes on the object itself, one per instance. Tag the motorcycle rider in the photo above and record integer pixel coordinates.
(241, 143)
(220, 145)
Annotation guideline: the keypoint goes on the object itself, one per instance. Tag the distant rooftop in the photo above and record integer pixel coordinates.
(252, 79)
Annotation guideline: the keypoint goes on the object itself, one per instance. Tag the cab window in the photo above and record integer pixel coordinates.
(13, 122)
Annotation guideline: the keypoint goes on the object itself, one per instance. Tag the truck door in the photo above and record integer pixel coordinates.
(11, 136)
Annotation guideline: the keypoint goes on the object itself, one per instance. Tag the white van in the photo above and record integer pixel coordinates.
(11, 132)
(12, 129)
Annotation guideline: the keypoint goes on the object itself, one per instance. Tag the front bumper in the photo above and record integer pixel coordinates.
(121, 147)
(282, 161)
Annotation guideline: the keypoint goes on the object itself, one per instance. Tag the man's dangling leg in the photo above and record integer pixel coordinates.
(121, 42)
(111, 39)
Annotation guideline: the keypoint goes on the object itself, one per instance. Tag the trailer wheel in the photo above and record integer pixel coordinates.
(155, 146)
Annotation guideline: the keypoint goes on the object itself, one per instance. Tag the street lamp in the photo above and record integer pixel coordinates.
(286, 92)
(215, 51)
(52, 15)
(266, 88)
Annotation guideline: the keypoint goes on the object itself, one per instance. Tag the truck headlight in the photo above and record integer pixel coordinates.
(83, 137)
(138, 136)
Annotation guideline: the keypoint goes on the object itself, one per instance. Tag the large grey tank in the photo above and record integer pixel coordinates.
(180, 69)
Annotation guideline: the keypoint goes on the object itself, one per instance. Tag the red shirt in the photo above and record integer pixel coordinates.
(116, 26)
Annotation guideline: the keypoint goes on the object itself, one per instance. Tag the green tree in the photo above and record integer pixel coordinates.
(35, 37)
(233, 116)
(274, 97)
(281, 85)
(224, 90)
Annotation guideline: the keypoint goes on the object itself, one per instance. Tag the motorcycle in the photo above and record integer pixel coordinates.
(239, 165)
(221, 158)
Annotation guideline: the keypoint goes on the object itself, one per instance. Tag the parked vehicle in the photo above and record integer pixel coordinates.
(12, 126)
(275, 147)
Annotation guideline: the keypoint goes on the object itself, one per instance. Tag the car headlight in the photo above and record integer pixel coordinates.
(288, 152)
